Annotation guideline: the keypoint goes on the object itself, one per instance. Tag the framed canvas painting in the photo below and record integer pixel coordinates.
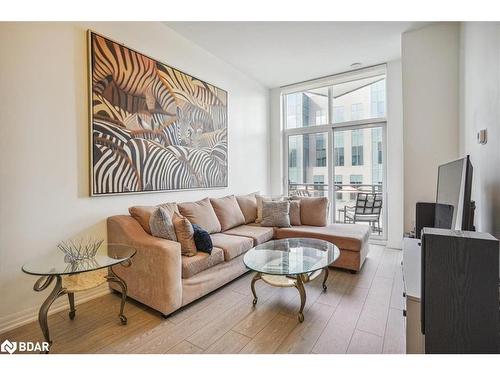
(153, 127)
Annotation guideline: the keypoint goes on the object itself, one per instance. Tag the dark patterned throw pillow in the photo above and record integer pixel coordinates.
(202, 239)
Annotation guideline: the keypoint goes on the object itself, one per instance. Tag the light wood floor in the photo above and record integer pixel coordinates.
(359, 313)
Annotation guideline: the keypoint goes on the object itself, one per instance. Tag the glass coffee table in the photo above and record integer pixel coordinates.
(71, 277)
(291, 262)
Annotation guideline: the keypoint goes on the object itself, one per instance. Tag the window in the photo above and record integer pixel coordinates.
(338, 150)
(378, 98)
(355, 179)
(338, 113)
(320, 152)
(357, 147)
(321, 116)
(338, 186)
(364, 98)
(356, 111)
(318, 179)
(292, 158)
(294, 110)
(307, 163)
(306, 108)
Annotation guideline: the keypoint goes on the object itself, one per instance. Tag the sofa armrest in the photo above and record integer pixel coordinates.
(154, 278)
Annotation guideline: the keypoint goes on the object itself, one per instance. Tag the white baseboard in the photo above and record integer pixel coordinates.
(21, 318)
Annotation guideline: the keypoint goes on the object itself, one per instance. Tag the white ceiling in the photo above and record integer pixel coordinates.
(281, 53)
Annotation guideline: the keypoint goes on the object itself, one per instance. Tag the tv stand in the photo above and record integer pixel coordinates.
(461, 296)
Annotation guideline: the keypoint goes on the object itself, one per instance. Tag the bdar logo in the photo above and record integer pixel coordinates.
(9, 347)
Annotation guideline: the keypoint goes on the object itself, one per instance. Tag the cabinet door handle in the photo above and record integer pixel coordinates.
(404, 294)
(404, 312)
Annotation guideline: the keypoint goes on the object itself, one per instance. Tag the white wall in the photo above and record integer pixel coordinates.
(480, 109)
(430, 72)
(44, 141)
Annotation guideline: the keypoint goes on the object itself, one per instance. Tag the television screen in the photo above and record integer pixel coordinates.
(453, 195)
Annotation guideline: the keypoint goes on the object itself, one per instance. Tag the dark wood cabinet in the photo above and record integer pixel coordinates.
(459, 291)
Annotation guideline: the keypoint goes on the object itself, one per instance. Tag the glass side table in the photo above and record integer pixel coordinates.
(291, 262)
(73, 277)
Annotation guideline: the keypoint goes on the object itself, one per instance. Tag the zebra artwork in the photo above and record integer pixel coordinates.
(153, 127)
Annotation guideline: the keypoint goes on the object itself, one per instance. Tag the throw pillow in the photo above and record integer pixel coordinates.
(260, 199)
(202, 239)
(275, 214)
(295, 212)
(185, 234)
(201, 213)
(161, 224)
(228, 212)
(143, 213)
(248, 206)
(314, 211)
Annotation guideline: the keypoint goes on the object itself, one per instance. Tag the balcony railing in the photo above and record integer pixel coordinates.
(321, 190)
(344, 195)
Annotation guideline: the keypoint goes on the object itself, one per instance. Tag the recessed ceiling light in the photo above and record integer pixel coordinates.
(356, 65)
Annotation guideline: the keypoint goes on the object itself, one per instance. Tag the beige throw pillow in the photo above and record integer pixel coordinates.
(184, 232)
(201, 213)
(248, 206)
(260, 199)
(228, 212)
(314, 211)
(295, 212)
(275, 214)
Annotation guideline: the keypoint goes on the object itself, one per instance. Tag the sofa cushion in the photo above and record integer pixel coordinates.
(143, 213)
(232, 245)
(228, 212)
(257, 233)
(262, 198)
(202, 214)
(185, 234)
(275, 214)
(201, 262)
(314, 211)
(295, 212)
(344, 236)
(248, 206)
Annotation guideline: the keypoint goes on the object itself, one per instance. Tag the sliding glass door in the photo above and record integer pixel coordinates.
(359, 176)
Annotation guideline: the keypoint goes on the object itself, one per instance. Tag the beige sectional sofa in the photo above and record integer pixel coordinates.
(165, 280)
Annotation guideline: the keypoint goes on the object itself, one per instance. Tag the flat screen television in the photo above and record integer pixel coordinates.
(453, 199)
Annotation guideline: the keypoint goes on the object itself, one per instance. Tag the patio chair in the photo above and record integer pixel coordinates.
(368, 208)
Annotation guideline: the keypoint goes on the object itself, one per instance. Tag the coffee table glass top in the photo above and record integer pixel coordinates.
(291, 256)
(54, 263)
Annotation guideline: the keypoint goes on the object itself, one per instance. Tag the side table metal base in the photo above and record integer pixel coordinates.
(296, 281)
(44, 282)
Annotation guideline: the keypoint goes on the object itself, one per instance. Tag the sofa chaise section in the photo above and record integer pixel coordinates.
(351, 239)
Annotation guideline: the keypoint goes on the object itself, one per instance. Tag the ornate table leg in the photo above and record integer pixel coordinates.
(113, 277)
(252, 285)
(72, 310)
(302, 292)
(41, 284)
(325, 270)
